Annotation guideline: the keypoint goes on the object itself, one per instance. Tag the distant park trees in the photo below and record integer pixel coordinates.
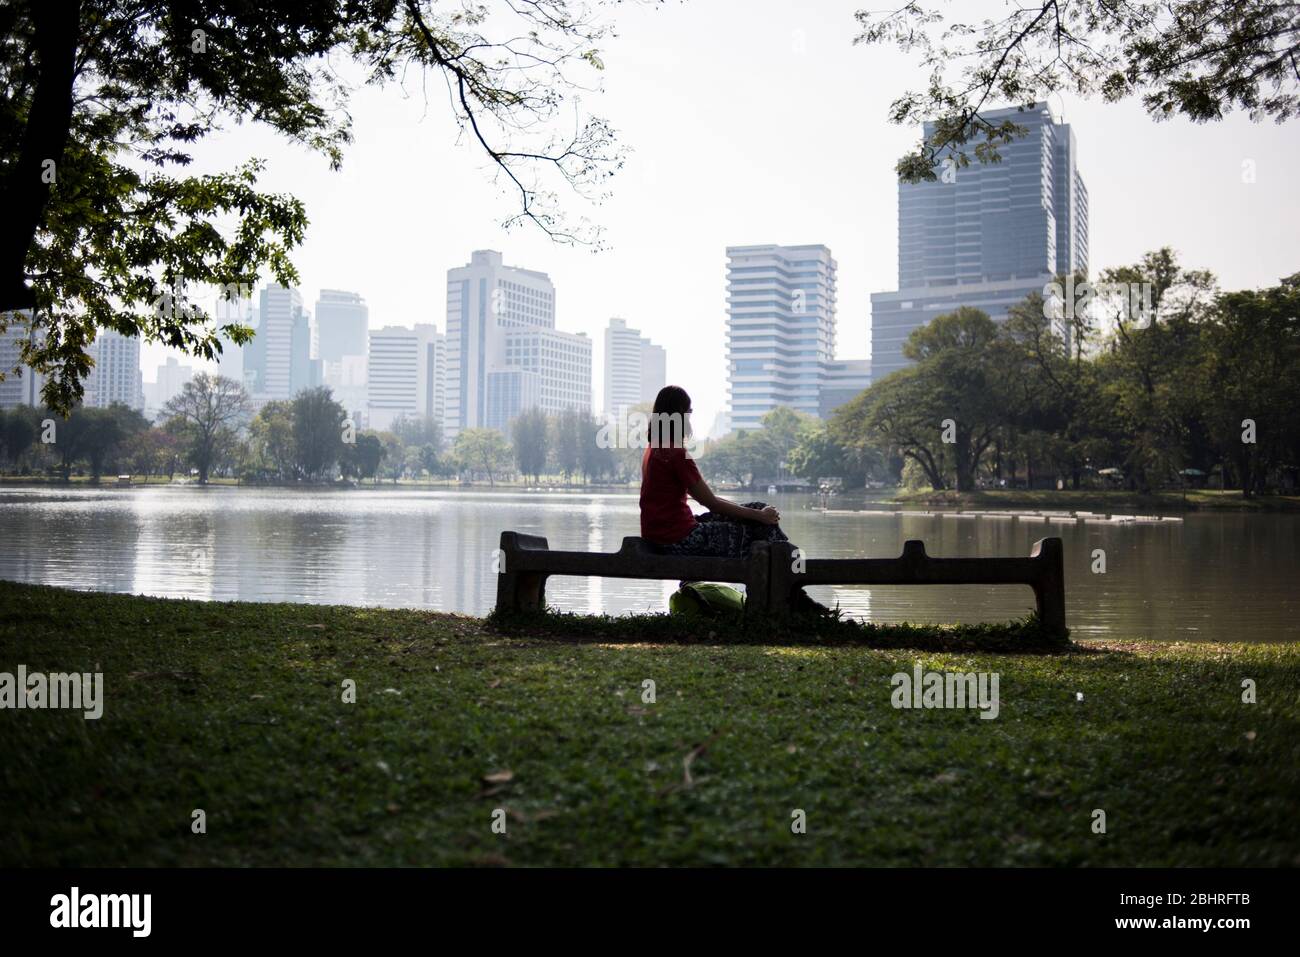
(483, 451)
(1203, 384)
(206, 417)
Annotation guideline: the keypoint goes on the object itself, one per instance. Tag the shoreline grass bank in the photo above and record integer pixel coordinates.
(237, 709)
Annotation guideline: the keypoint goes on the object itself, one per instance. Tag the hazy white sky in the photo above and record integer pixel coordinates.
(751, 123)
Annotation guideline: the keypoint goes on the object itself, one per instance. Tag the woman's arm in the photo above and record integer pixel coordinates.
(701, 492)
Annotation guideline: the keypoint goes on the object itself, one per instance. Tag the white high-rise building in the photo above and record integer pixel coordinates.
(780, 329)
(404, 372)
(115, 377)
(22, 384)
(635, 368)
(485, 298)
(561, 362)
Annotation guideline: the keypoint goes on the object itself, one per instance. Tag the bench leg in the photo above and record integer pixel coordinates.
(521, 591)
(758, 587)
(1049, 589)
(781, 577)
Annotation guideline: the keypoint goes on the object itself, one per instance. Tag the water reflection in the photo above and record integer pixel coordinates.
(1213, 576)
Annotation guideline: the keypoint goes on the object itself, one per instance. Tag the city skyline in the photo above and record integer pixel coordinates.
(786, 167)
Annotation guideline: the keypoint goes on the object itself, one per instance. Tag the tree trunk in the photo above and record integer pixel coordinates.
(25, 191)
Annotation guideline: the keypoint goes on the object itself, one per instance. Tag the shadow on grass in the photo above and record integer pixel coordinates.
(1021, 636)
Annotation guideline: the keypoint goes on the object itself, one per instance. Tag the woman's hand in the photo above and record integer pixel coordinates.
(769, 515)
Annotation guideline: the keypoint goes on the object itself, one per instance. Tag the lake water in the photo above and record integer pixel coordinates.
(1223, 577)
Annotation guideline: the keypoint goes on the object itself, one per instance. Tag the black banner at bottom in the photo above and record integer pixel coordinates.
(114, 907)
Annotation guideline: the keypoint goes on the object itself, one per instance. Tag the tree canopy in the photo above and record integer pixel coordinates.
(1194, 58)
(105, 101)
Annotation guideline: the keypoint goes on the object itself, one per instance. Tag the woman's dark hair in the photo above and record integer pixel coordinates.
(670, 422)
(672, 398)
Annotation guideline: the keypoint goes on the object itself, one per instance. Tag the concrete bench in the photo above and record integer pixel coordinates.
(1043, 571)
(772, 572)
(526, 561)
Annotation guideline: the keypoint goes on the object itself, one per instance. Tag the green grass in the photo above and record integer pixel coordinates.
(1167, 500)
(235, 709)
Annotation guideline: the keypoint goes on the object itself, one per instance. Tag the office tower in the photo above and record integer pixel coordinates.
(171, 380)
(21, 384)
(115, 377)
(342, 325)
(634, 368)
(780, 329)
(842, 381)
(485, 298)
(985, 235)
(403, 373)
(278, 363)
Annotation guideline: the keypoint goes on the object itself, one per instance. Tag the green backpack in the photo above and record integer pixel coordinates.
(706, 600)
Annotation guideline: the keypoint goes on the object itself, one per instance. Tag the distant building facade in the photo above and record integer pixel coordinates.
(404, 367)
(115, 378)
(635, 368)
(504, 353)
(278, 362)
(780, 329)
(342, 325)
(170, 381)
(22, 385)
(561, 361)
(842, 381)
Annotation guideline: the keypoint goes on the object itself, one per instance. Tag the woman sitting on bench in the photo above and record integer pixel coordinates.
(669, 474)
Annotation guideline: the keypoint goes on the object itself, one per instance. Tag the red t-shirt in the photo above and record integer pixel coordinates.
(666, 474)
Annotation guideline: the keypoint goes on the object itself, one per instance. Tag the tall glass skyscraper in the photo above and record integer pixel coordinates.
(780, 329)
(985, 235)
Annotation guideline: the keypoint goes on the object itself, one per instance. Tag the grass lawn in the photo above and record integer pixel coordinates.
(1168, 500)
(236, 709)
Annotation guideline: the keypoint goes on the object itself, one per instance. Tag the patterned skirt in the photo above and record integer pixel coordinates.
(719, 536)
